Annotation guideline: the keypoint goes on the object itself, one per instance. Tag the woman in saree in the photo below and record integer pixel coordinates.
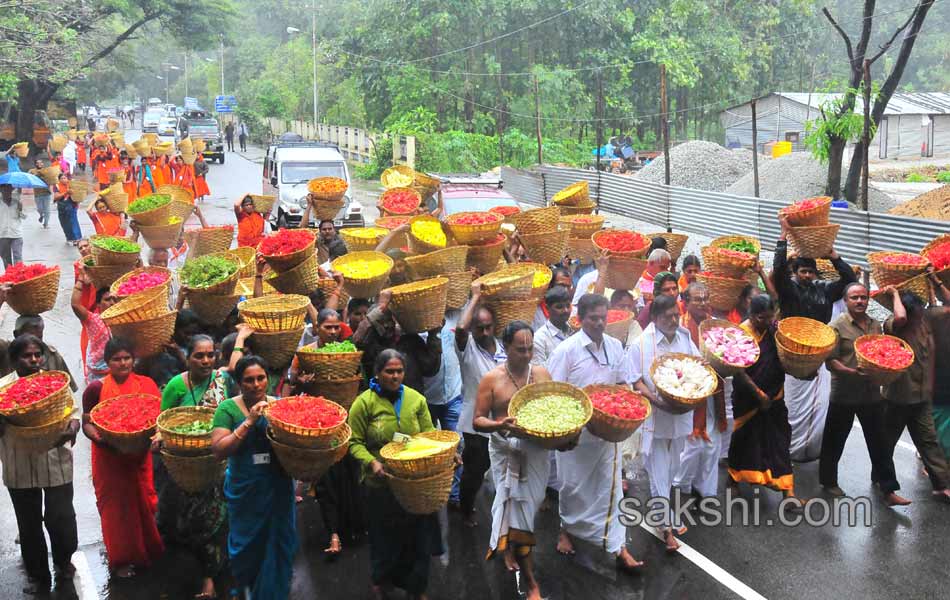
(105, 221)
(125, 494)
(201, 184)
(401, 544)
(759, 448)
(66, 209)
(250, 222)
(262, 537)
(196, 521)
(148, 176)
(128, 181)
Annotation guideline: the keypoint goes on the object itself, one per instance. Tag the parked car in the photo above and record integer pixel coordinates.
(462, 193)
(151, 120)
(199, 125)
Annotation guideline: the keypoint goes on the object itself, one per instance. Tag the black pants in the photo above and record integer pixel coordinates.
(60, 521)
(838, 425)
(243, 140)
(230, 141)
(475, 462)
(919, 421)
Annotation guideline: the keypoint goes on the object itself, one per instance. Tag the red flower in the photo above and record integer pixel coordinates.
(30, 390)
(400, 201)
(285, 241)
(615, 315)
(505, 211)
(939, 256)
(20, 272)
(886, 352)
(474, 218)
(128, 414)
(311, 412)
(620, 403)
(622, 241)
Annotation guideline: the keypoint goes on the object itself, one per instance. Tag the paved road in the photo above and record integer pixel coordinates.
(900, 554)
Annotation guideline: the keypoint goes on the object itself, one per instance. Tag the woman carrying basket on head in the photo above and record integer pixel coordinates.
(105, 221)
(66, 209)
(250, 222)
(201, 184)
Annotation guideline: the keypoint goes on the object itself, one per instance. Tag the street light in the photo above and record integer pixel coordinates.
(168, 67)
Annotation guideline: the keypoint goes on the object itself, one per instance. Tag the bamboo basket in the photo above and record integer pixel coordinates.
(342, 391)
(484, 258)
(39, 439)
(132, 442)
(303, 437)
(156, 216)
(142, 148)
(505, 215)
(329, 365)
(208, 240)
(814, 241)
(286, 262)
(572, 195)
(509, 311)
(681, 404)
(161, 236)
(423, 467)
(800, 365)
(194, 474)
(675, 242)
(541, 276)
(459, 287)
(363, 287)
(245, 287)
(811, 217)
(58, 142)
(583, 226)
(79, 189)
(886, 274)
(305, 464)
(182, 210)
(724, 292)
(532, 391)
(104, 257)
(422, 496)
(536, 220)
(624, 272)
(214, 309)
(919, 286)
(356, 243)
(35, 296)
(397, 176)
(580, 209)
(581, 249)
(640, 253)
(114, 288)
(716, 262)
(546, 248)
(419, 306)
(510, 283)
(277, 348)
(177, 193)
(390, 223)
(474, 233)
(104, 275)
(609, 427)
(21, 149)
(248, 258)
(327, 210)
(424, 184)
(46, 411)
(395, 190)
(301, 279)
(225, 287)
(332, 195)
(50, 174)
(130, 151)
(878, 374)
(805, 336)
(183, 444)
(720, 242)
(448, 260)
(271, 314)
(117, 200)
(723, 368)
(263, 203)
(943, 274)
(148, 336)
(620, 329)
(416, 244)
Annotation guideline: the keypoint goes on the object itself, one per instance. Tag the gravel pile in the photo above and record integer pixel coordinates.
(700, 165)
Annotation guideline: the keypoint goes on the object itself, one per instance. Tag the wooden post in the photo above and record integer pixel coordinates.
(537, 115)
(665, 124)
(755, 152)
(867, 135)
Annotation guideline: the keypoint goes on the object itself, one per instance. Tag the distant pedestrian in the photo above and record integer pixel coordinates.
(13, 161)
(11, 227)
(242, 136)
(41, 196)
(229, 136)
(132, 117)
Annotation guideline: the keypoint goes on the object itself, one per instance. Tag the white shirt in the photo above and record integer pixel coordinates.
(11, 219)
(585, 285)
(640, 356)
(69, 154)
(475, 363)
(546, 339)
(580, 362)
(445, 385)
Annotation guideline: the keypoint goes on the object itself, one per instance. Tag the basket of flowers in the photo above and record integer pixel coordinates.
(808, 212)
(583, 226)
(287, 248)
(111, 250)
(153, 209)
(186, 430)
(617, 411)
(336, 360)
(423, 455)
(305, 421)
(622, 242)
(33, 288)
(552, 413)
(364, 273)
(892, 268)
(884, 358)
(177, 193)
(938, 253)
(162, 236)
(474, 227)
(127, 422)
(726, 347)
(36, 400)
(399, 201)
(362, 238)
(426, 235)
(210, 275)
(682, 380)
(329, 189)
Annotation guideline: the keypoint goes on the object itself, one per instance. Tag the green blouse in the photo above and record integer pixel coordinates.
(228, 415)
(373, 421)
(176, 393)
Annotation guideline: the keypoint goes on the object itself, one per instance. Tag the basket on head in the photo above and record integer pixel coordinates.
(21, 149)
(299, 436)
(104, 256)
(277, 348)
(817, 215)
(329, 365)
(805, 336)
(424, 466)
(940, 240)
(885, 273)
(598, 236)
(247, 256)
(624, 272)
(460, 285)
(224, 287)
(330, 189)
(724, 292)
(50, 174)
(148, 336)
(580, 209)
(116, 199)
(79, 189)
(208, 240)
(422, 496)
(880, 374)
(263, 203)
(116, 176)
(418, 245)
(155, 216)
(814, 241)
(40, 438)
(675, 242)
(620, 328)
(185, 444)
(485, 257)
(36, 295)
(610, 427)
(546, 248)
(301, 279)
(397, 176)
(150, 137)
(541, 276)
(105, 275)
(114, 288)
(572, 195)
(800, 365)
(245, 287)
(919, 286)
(142, 148)
(582, 249)
(342, 391)
(409, 209)
(583, 226)
(511, 283)
(46, 410)
(194, 474)
(177, 193)
(213, 309)
(440, 262)
(126, 442)
(723, 368)
(390, 223)
(533, 391)
(58, 142)
(181, 210)
(505, 211)
(358, 239)
(130, 151)
(161, 236)
(200, 146)
(474, 233)
(284, 262)
(310, 464)
(716, 261)
(424, 184)
(537, 220)
(682, 404)
(419, 306)
(509, 311)
(327, 210)
(362, 286)
(270, 314)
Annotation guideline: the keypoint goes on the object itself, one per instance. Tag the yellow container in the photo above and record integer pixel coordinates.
(781, 149)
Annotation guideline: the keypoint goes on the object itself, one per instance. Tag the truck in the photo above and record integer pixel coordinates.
(200, 125)
(288, 166)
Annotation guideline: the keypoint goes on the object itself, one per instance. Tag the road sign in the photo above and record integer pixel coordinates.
(191, 103)
(225, 104)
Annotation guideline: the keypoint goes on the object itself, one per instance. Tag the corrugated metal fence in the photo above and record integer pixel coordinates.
(714, 214)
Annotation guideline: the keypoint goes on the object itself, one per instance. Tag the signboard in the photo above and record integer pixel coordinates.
(225, 104)
(191, 103)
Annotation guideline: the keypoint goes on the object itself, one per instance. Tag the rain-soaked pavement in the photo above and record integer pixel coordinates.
(900, 555)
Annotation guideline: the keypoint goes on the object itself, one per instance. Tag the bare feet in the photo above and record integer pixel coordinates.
(533, 591)
(564, 544)
(207, 590)
(627, 563)
(893, 499)
(942, 495)
(671, 544)
(335, 546)
(510, 562)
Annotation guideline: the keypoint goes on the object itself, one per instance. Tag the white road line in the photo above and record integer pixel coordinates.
(85, 584)
(900, 443)
(711, 568)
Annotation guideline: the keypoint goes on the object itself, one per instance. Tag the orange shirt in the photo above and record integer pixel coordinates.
(107, 223)
(250, 229)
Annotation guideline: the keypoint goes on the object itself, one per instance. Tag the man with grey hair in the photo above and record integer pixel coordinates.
(658, 261)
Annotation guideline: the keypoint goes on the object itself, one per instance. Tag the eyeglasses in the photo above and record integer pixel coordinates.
(699, 299)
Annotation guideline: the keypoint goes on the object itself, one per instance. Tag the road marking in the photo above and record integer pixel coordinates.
(85, 584)
(711, 568)
(900, 443)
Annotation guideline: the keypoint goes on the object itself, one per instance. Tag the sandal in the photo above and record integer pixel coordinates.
(335, 546)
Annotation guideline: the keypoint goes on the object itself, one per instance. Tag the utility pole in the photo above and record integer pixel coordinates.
(664, 116)
(186, 74)
(222, 65)
(537, 115)
(755, 152)
(600, 121)
(867, 134)
(314, 43)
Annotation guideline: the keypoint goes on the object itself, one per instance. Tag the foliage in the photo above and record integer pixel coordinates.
(943, 177)
(835, 121)
(916, 178)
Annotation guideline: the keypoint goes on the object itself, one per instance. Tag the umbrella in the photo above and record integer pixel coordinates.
(19, 179)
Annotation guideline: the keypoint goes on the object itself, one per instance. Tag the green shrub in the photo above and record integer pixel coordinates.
(943, 177)
(916, 178)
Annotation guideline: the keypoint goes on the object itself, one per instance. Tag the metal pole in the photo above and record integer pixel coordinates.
(867, 135)
(537, 116)
(664, 107)
(222, 65)
(755, 152)
(186, 75)
(314, 42)
(166, 83)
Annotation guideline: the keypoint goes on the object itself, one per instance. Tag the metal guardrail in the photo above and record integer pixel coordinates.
(355, 144)
(715, 214)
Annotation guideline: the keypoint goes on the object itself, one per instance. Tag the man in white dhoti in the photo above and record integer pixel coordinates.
(591, 486)
(519, 467)
(664, 433)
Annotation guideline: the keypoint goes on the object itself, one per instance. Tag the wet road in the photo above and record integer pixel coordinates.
(900, 554)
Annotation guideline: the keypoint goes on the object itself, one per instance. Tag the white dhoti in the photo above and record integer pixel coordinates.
(591, 491)
(807, 402)
(519, 469)
(726, 437)
(699, 461)
(662, 463)
(554, 482)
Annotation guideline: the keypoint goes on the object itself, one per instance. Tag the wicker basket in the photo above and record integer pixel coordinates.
(194, 474)
(148, 336)
(161, 236)
(641, 253)
(263, 203)
(423, 496)
(303, 437)
(624, 272)
(508, 311)
(418, 245)
(301, 279)
(22, 149)
(327, 210)
(135, 442)
(79, 189)
(286, 262)
(510, 283)
(213, 309)
(365, 287)
(330, 365)
(419, 306)
(440, 262)
(49, 174)
(147, 304)
(474, 234)
(716, 262)
(620, 329)
(539, 283)
(356, 243)
(546, 248)
(390, 223)
(720, 242)
(484, 258)
(397, 176)
(681, 404)
(572, 195)
(427, 466)
(943, 274)
(225, 287)
(310, 464)
(178, 193)
(609, 427)
(537, 220)
(247, 256)
(104, 275)
(142, 148)
(271, 314)
(36, 295)
(724, 292)
(341, 391)
(277, 348)
(424, 184)
(721, 367)
(805, 336)
(184, 444)
(48, 410)
(156, 216)
(333, 195)
(814, 241)
(245, 287)
(800, 365)
(557, 439)
(886, 274)
(182, 210)
(208, 240)
(459, 288)
(583, 226)
(582, 249)
(116, 199)
(919, 286)
(811, 217)
(104, 257)
(878, 374)
(39, 439)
